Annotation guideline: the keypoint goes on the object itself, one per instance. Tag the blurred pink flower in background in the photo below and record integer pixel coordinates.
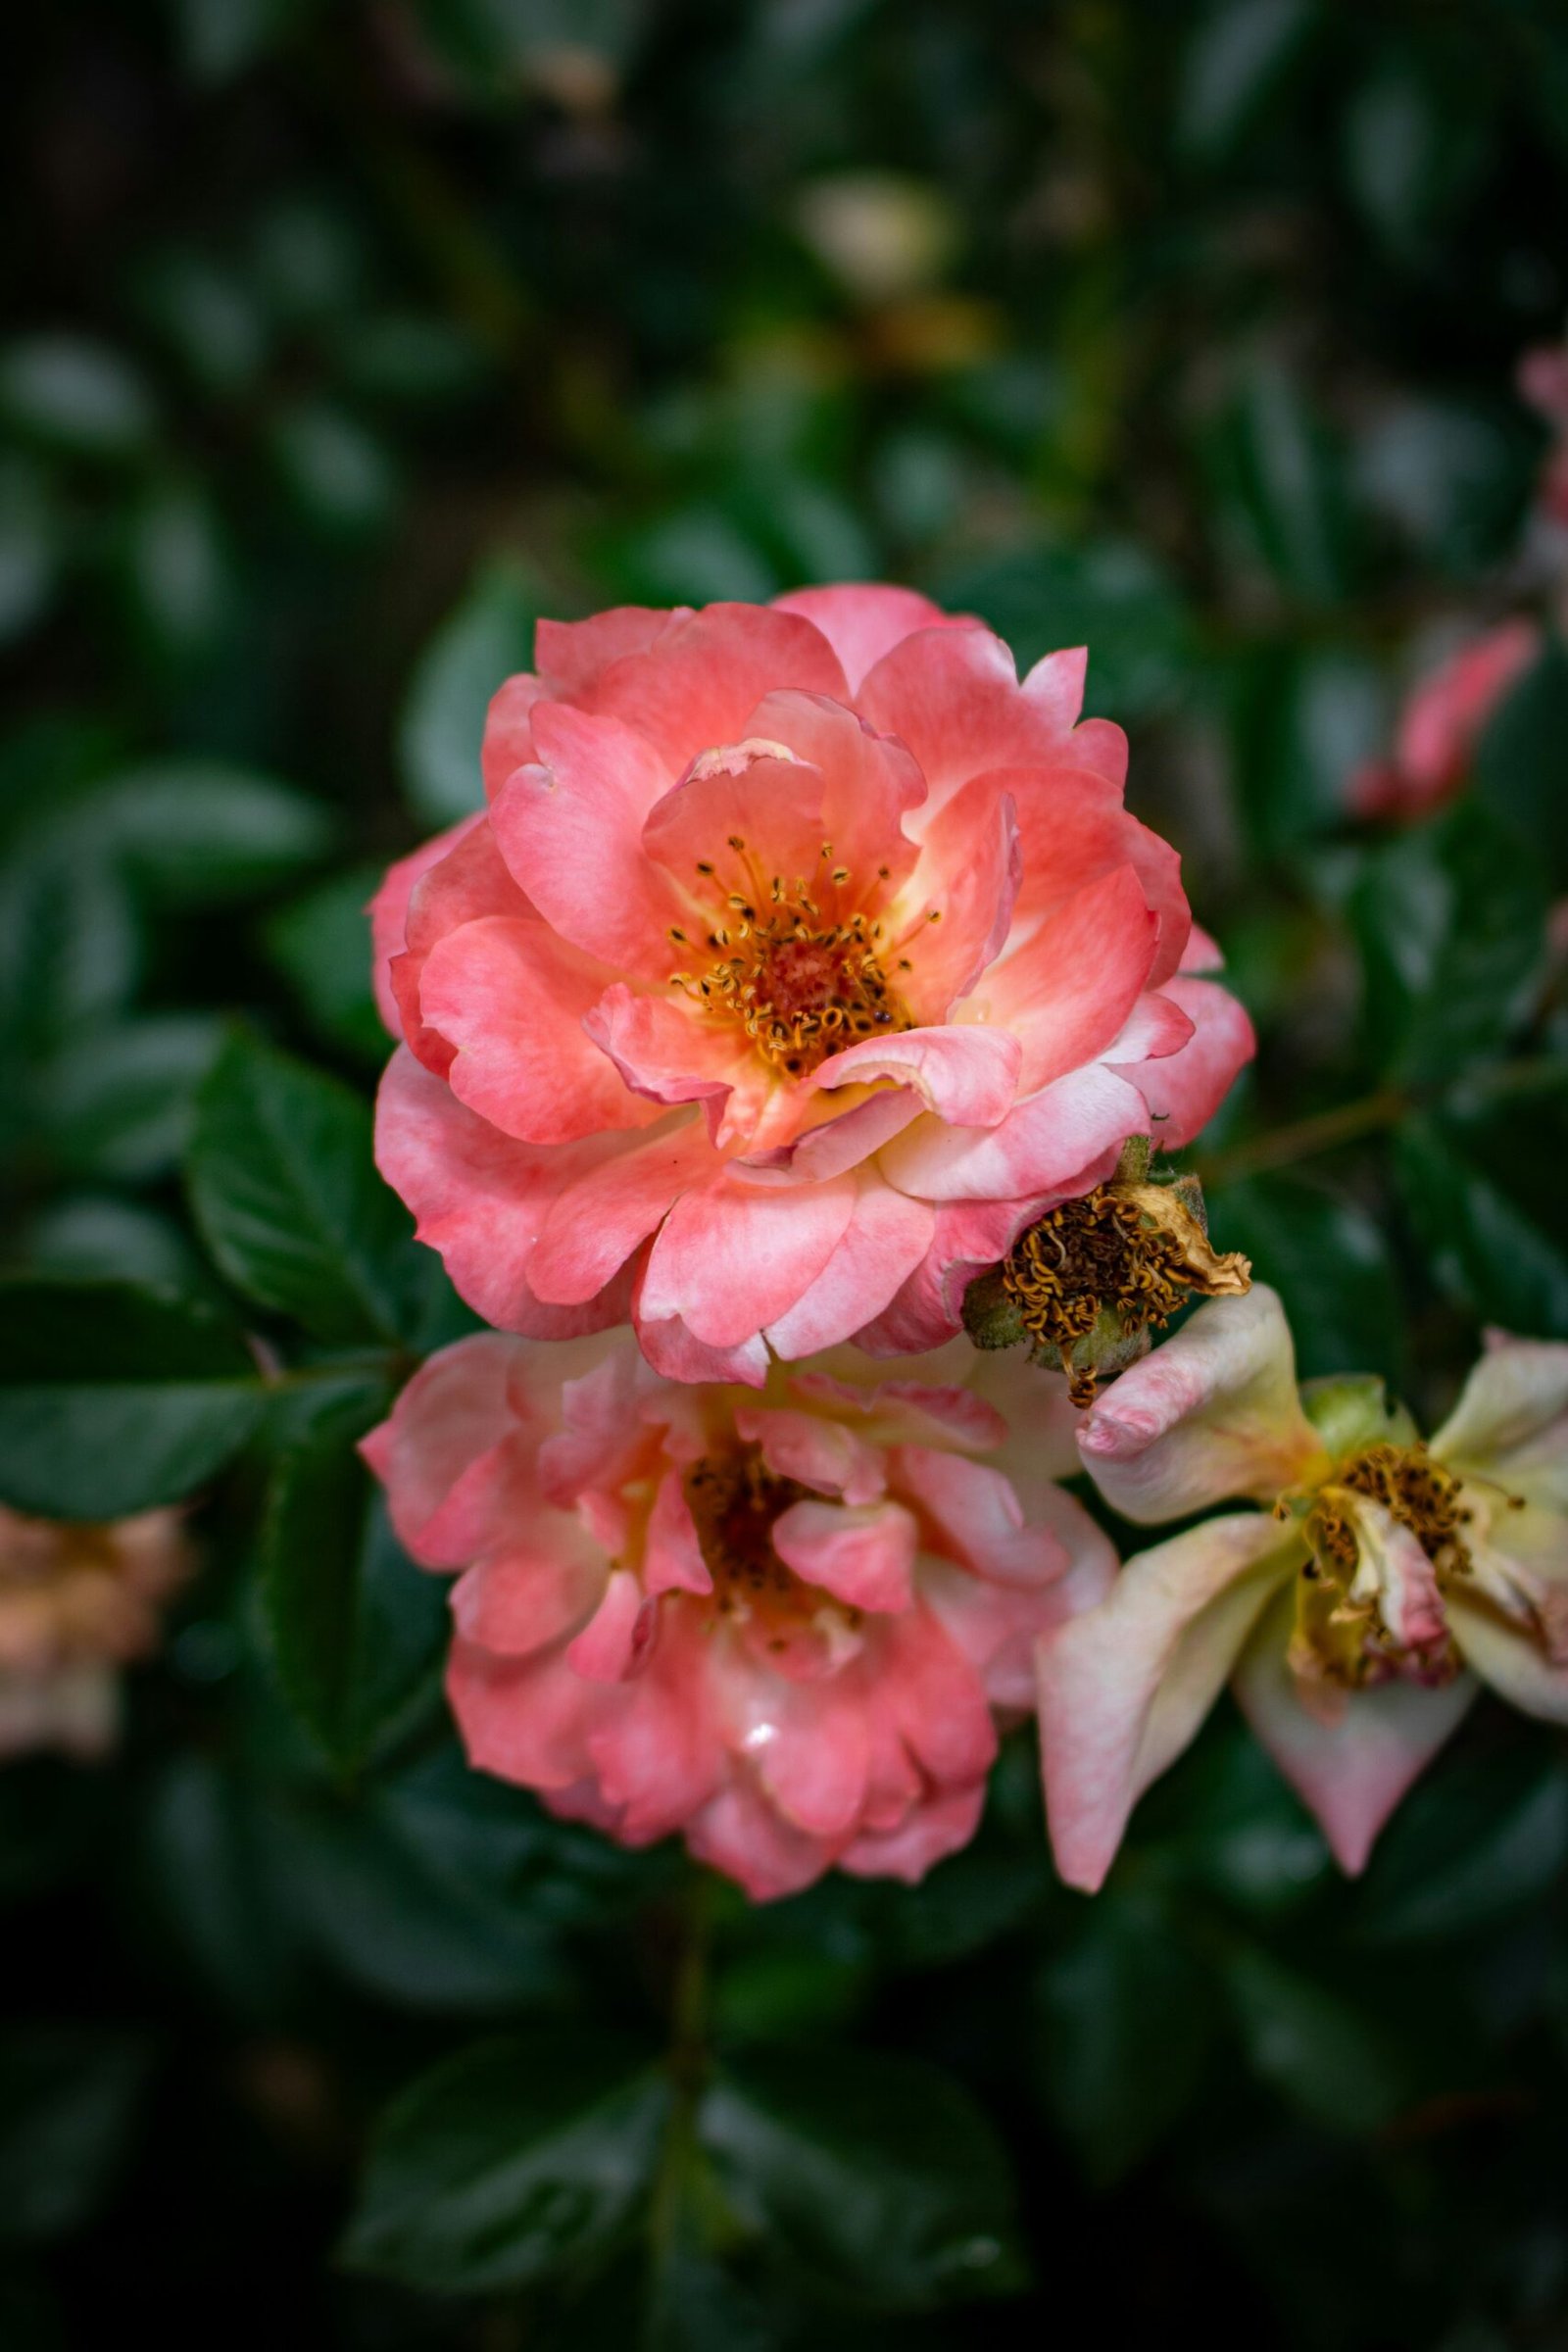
(78, 1602)
(783, 1624)
(801, 959)
(1441, 723)
(1351, 1618)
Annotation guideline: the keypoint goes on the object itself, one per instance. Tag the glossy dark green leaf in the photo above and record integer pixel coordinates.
(70, 947)
(1327, 2056)
(516, 2160)
(67, 2095)
(283, 1185)
(1278, 485)
(114, 1398)
(1236, 58)
(874, 2173)
(1481, 1838)
(121, 1104)
(359, 1632)
(1302, 721)
(81, 398)
(481, 644)
(320, 943)
(1329, 1260)
(339, 473)
(1451, 924)
(1128, 2014)
(1482, 1190)
(1518, 762)
(201, 831)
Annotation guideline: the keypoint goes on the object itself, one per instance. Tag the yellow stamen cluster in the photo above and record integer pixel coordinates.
(803, 982)
(1341, 1637)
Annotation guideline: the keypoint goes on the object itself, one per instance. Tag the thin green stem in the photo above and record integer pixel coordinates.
(688, 2061)
(1366, 1114)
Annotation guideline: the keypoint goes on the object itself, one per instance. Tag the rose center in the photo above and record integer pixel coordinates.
(735, 1502)
(801, 977)
(1340, 1636)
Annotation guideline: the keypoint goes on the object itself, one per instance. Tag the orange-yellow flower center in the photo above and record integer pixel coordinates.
(1340, 1635)
(800, 972)
(735, 1502)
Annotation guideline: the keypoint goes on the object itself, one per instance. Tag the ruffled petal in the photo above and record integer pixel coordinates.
(968, 1076)
(1067, 995)
(1124, 1687)
(863, 621)
(1213, 1412)
(389, 914)
(863, 1553)
(1511, 1421)
(731, 1259)
(511, 998)
(1184, 1090)
(1061, 1140)
(695, 687)
(886, 1239)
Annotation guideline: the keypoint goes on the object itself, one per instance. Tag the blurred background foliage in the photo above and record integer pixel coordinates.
(342, 341)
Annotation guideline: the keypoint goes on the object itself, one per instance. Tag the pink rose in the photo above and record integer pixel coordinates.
(1441, 724)
(1354, 1615)
(76, 1604)
(784, 1625)
(801, 959)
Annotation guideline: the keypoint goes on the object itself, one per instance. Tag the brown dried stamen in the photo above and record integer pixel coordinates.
(1420, 1493)
(1339, 1636)
(1133, 1252)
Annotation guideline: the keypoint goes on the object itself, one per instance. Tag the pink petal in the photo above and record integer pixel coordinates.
(446, 1456)
(573, 655)
(952, 696)
(597, 1216)
(510, 996)
(750, 791)
(1063, 1140)
(1074, 829)
(732, 1258)
(508, 730)
(478, 1198)
(978, 1518)
(885, 1240)
(673, 1556)
(389, 913)
(953, 914)
(1184, 1090)
(941, 1824)
(471, 881)
(1201, 953)
(741, 1835)
(965, 1237)
(929, 1689)
(658, 1745)
(1352, 1771)
(522, 1600)
(862, 1553)
(1069, 993)
(968, 1076)
(675, 1354)
(862, 623)
(1213, 1412)
(809, 1746)
(817, 1451)
(615, 1641)
(697, 687)
(571, 831)
(668, 1050)
(1124, 1687)
(526, 1719)
(869, 785)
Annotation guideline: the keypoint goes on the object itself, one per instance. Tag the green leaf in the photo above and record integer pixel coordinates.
(1304, 719)
(488, 638)
(177, 570)
(342, 476)
(1481, 1840)
(515, 2161)
(1238, 56)
(1334, 2061)
(70, 946)
(876, 2174)
(78, 397)
(1129, 2019)
(1483, 1187)
(1518, 762)
(114, 1398)
(66, 2100)
(1278, 485)
(320, 943)
(196, 832)
(1451, 921)
(1111, 595)
(1330, 1263)
(120, 1104)
(284, 1189)
(359, 1632)
(30, 538)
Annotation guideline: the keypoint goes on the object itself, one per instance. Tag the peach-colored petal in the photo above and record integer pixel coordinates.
(1124, 1687)
(886, 1239)
(1067, 995)
(863, 621)
(389, 914)
(863, 1553)
(1184, 1090)
(1211, 1413)
(510, 999)
(1349, 1764)
(695, 687)
(969, 1077)
(1047, 1145)
(730, 1260)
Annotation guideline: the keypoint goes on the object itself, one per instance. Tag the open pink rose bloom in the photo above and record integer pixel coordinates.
(786, 1625)
(802, 956)
(1354, 1615)
(77, 1603)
